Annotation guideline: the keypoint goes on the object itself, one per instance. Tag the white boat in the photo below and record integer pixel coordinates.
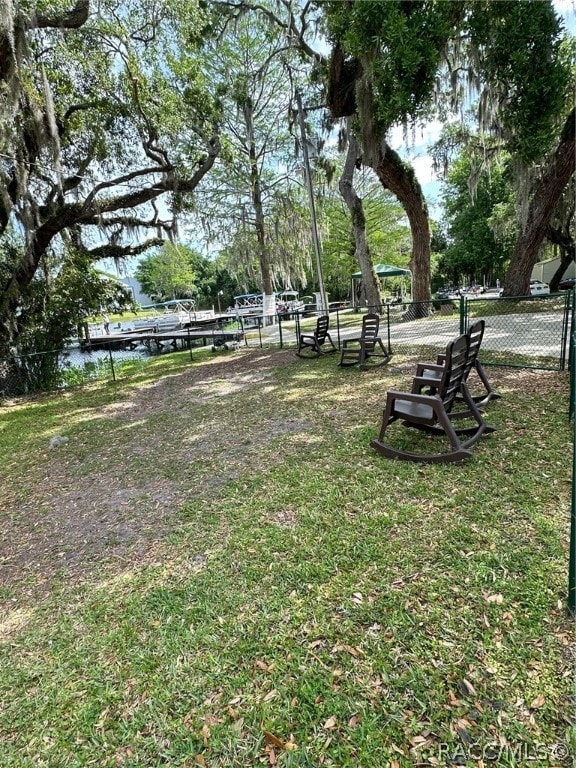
(249, 304)
(252, 304)
(289, 302)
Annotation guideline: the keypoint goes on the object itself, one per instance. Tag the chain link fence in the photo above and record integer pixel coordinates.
(528, 332)
(52, 371)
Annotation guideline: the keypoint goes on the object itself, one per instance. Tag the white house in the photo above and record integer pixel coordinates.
(545, 270)
(133, 284)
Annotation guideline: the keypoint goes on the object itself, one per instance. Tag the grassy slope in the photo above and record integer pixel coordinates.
(314, 603)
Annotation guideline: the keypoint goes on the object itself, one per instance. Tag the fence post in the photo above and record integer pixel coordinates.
(111, 362)
(572, 562)
(189, 343)
(568, 329)
(280, 331)
(462, 314)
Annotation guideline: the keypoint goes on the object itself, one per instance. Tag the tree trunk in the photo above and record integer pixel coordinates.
(356, 208)
(256, 189)
(562, 237)
(401, 180)
(555, 177)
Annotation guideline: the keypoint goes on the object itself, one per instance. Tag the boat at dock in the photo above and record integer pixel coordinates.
(258, 305)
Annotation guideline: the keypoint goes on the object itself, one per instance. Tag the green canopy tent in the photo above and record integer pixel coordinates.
(382, 272)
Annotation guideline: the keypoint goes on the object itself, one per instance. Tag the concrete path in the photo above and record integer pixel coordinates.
(534, 334)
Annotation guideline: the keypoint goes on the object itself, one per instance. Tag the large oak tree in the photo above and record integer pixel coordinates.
(103, 115)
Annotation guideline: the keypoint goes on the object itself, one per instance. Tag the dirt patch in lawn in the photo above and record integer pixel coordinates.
(83, 512)
(77, 516)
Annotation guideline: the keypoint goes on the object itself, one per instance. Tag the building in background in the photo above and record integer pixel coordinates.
(139, 296)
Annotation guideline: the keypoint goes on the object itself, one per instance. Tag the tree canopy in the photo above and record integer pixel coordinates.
(395, 62)
(113, 115)
(104, 114)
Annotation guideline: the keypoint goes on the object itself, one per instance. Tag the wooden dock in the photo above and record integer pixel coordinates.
(156, 341)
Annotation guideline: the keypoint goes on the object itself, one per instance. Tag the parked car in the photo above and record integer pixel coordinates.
(567, 284)
(448, 292)
(538, 288)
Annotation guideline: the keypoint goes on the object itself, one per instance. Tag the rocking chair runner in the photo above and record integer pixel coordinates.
(432, 413)
(432, 372)
(312, 343)
(358, 350)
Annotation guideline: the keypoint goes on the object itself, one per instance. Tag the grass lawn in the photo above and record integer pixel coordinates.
(217, 570)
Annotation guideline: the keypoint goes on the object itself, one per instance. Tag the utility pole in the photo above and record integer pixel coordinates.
(308, 177)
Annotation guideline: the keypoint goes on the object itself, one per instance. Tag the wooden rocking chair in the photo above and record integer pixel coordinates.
(432, 372)
(358, 350)
(432, 413)
(310, 344)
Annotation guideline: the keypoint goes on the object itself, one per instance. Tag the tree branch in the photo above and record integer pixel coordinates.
(115, 251)
(294, 34)
(72, 19)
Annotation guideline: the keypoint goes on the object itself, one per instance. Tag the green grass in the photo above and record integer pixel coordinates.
(307, 602)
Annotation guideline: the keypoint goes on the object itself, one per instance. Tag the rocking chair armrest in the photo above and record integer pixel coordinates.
(441, 359)
(355, 339)
(412, 397)
(421, 367)
(418, 382)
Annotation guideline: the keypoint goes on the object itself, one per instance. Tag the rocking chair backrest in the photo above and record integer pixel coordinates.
(370, 326)
(321, 331)
(475, 334)
(454, 370)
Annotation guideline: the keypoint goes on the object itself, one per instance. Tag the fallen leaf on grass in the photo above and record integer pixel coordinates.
(274, 740)
(454, 701)
(290, 745)
(466, 688)
(418, 742)
(271, 695)
(354, 721)
(330, 723)
(349, 649)
(539, 701)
